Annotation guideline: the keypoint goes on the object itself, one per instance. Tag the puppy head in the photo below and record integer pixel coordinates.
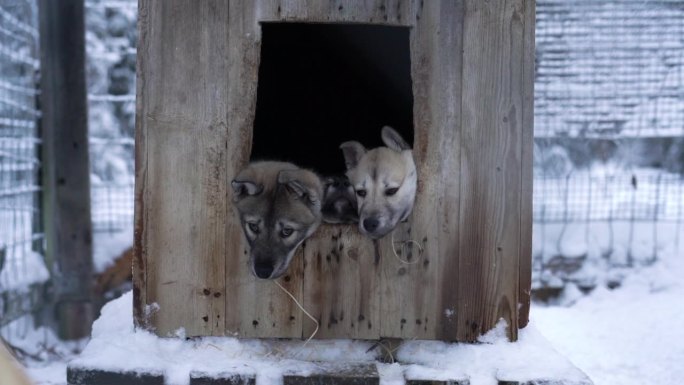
(384, 180)
(339, 202)
(277, 217)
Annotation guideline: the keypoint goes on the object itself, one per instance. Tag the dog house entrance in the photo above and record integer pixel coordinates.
(323, 84)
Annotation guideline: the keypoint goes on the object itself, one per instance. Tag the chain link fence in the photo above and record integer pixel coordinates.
(609, 138)
(23, 273)
(111, 53)
(609, 132)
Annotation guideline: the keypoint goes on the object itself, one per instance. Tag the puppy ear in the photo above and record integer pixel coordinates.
(393, 140)
(303, 184)
(244, 188)
(353, 151)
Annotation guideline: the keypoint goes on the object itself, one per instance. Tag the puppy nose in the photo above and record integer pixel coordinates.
(263, 270)
(370, 224)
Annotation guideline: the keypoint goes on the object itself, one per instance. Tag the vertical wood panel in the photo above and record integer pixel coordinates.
(341, 284)
(492, 107)
(527, 164)
(180, 171)
(197, 82)
(382, 12)
(140, 216)
(257, 308)
(416, 294)
(66, 171)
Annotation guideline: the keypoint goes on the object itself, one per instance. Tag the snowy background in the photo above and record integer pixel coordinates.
(608, 187)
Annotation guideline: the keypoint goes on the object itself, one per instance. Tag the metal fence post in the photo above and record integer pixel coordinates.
(66, 184)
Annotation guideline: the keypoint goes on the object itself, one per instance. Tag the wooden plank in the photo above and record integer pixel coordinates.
(94, 376)
(527, 164)
(181, 166)
(221, 378)
(139, 268)
(335, 374)
(382, 12)
(492, 107)
(415, 293)
(65, 171)
(341, 285)
(259, 308)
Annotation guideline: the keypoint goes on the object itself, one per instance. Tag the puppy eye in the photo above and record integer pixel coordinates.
(286, 232)
(391, 191)
(361, 193)
(254, 227)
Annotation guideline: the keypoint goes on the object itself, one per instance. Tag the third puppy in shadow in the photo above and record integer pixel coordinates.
(339, 200)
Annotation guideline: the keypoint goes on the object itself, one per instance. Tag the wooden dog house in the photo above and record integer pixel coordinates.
(472, 74)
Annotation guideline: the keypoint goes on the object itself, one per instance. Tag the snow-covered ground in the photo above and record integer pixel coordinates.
(116, 346)
(630, 335)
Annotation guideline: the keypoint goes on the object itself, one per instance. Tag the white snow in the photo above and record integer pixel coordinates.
(107, 246)
(46, 355)
(631, 335)
(22, 269)
(115, 345)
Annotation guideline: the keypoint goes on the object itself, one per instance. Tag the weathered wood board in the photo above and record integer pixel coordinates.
(181, 161)
(490, 169)
(462, 260)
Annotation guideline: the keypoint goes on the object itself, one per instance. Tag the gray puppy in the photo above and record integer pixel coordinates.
(279, 206)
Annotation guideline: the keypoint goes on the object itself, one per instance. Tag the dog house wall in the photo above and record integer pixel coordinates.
(472, 73)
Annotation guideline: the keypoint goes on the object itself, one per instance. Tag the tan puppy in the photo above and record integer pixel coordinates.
(385, 181)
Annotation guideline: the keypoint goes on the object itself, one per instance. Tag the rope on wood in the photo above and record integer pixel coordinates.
(403, 243)
(302, 309)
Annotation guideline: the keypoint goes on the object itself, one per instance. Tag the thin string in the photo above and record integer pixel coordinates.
(403, 243)
(303, 310)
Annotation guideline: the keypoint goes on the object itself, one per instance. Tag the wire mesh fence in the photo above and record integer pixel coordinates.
(609, 128)
(110, 48)
(22, 268)
(609, 137)
(587, 227)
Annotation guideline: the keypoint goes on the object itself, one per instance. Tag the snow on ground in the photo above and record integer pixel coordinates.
(41, 350)
(115, 345)
(107, 246)
(21, 269)
(631, 335)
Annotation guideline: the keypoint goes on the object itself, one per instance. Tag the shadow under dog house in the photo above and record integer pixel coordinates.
(462, 260)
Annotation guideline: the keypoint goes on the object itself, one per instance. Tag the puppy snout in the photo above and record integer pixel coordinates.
(263, 269)
(371, 224)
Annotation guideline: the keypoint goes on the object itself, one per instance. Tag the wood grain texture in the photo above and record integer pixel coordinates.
(65, 175)
(527, 164)
(258, 308)
(492, 107)
(472, 105)
(341, 285)
(382, 12)
(417, 292)
(181, 167)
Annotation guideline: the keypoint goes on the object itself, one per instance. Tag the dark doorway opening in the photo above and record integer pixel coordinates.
(324, 84)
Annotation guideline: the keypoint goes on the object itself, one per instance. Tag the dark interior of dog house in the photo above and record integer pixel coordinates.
(323, 84)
